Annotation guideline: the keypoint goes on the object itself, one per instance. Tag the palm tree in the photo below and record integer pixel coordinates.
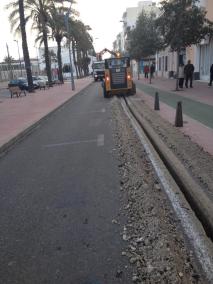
(41, 22)
(24, 45)
(8, 59)
(81, 43)
(37, 11)
(57, 26)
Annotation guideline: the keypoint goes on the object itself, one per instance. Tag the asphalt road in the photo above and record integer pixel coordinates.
(59, 192)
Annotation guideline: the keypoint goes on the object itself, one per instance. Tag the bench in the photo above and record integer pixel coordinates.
(16, 91)
(43, 85)
(49, 84)
(58, 82)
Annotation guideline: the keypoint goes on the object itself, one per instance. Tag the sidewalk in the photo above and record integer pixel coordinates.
(197, 105)
(18, 114)
(3, 85)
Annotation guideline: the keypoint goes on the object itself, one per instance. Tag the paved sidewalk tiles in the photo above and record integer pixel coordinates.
(19, 114)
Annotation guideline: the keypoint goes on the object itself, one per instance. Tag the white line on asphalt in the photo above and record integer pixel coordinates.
(136, 99)
(92, 111)
(100, 140)
(70, 143)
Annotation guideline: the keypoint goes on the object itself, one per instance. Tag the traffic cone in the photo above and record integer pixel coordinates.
(157, 104)
(179, 115)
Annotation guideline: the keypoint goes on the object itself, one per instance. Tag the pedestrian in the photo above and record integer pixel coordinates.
(188, 72)
(146, 71)
(181, 75)
(152, 70)
(211, 75)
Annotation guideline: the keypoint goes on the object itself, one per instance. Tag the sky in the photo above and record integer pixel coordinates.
(103, 16)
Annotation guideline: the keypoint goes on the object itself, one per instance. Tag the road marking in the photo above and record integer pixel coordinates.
(100, 140)
(92, 111)
(96, 111)
(100, 90)
(70, 143)
(136, 99)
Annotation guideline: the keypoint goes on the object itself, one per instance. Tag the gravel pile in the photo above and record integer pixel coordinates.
(155, 245)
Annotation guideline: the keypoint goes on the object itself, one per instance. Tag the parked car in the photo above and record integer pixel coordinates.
(37, 81)
(20, 82)
(43, 78)
(35, 85)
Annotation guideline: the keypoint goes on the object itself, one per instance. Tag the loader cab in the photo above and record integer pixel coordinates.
(118, 77)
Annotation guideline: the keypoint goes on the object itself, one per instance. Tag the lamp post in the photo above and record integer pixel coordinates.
(19, 57)
(38, 60)
(9, 62)
(66, 17)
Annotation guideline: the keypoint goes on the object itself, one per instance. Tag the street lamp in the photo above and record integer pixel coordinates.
(38, 60)
(9, 62)
(19, 56)
(66, 17)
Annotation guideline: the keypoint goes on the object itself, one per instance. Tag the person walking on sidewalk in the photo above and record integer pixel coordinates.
(181, 75)
(188, 71)
(211, 75)
(152, 70)
(146, 71)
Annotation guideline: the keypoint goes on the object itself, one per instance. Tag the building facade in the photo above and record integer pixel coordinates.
(201, 55)
(129, 20)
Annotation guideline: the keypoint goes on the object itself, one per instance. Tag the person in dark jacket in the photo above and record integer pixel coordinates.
(152, 70)
(188, 71)
(211, 75)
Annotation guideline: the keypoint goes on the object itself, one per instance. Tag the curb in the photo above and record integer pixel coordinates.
(5, 148)
(199, 201)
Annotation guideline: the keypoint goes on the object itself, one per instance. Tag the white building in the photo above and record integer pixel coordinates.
(129, 20)
(65, 59)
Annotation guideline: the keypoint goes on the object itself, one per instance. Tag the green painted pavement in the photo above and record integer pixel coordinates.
(194, 109)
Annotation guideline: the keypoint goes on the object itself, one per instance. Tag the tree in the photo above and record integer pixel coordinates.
(24, 45)
(81, 44)
(58, 30)
(8, 59)
(182, 23)
(144, 39)
(36, 11)
(52, 57)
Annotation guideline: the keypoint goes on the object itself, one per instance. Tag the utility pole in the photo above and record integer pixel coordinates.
(69, 40)
(37, 55)
(9, 62)
(19, 57)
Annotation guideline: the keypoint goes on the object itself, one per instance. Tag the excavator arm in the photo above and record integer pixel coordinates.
(99, 55)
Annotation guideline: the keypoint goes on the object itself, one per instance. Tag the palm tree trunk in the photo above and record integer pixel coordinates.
(46, 49)
(78, 63)
(25, 46)
(60, 73)
(74, 59)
